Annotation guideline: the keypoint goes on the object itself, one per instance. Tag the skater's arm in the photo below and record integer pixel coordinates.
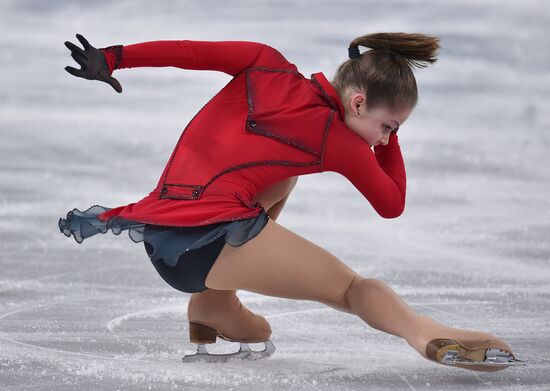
(379, 175)
(230, 57)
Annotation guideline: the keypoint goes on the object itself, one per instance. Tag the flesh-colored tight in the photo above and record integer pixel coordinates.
(278, 262)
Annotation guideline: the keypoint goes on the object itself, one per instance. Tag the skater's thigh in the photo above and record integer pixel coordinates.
(278, 262)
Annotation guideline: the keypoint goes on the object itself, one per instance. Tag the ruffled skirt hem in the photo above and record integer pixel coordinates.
(161, 242)
(84, 224)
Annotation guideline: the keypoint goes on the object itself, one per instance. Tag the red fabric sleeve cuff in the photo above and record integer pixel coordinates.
(113, 56)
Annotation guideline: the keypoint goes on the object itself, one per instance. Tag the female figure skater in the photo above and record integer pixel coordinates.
(209, 226)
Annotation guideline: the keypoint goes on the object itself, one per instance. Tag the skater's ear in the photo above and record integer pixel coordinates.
(356, 103)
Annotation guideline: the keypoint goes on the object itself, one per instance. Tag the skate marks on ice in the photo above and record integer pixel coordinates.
(16, 241)
(125, 367)
(310, 357)
(223, 347)
(318, 346)
(480, 249)
(66, 332)
(333, 360)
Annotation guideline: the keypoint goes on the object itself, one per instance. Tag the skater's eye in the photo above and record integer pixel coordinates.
(389, 129)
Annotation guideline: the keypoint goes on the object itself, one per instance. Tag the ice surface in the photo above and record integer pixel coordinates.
(471, 250)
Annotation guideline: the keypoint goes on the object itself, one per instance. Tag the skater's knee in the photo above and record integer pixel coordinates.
(343, 300)
(358, 287)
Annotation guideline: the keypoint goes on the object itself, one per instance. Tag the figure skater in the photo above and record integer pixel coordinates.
(209, 226)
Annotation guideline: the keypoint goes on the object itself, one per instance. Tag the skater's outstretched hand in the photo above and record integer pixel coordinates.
(93, 65)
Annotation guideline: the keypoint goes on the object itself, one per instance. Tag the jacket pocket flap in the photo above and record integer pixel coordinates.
(181, 191)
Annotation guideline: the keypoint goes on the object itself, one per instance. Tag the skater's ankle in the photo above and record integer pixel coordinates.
(421, 332)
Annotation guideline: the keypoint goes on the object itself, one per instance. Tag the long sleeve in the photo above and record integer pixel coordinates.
(230, 57)
(379, 175)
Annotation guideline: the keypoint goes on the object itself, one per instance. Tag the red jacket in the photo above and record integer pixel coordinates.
(267, 124)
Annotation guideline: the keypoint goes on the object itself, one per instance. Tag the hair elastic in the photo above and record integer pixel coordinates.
(353, 52)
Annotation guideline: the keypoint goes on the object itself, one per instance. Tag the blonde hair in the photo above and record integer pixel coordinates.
(384, 73)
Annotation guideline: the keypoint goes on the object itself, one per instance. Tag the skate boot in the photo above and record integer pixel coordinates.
(219, 313)
(466, 349)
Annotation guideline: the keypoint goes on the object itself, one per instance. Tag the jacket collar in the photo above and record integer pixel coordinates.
(328, 92)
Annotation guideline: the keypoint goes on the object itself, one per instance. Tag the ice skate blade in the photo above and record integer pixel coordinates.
(244, 353)
(493, 358)
(479, 356)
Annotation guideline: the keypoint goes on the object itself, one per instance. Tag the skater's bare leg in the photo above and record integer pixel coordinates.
(216, 306)
(281, 263)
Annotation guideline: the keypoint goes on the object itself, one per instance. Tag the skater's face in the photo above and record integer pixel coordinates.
(373, 125)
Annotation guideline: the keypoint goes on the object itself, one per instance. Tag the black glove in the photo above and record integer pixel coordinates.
(93, 65)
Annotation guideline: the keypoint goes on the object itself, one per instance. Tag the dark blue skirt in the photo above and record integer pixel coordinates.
(182, 256)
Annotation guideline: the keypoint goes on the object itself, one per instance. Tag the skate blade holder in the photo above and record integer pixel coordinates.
(244, 353)
(493, 357)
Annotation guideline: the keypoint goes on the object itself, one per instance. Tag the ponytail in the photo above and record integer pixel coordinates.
(384, 73)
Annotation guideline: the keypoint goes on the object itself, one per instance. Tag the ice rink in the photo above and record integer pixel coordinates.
(471, 250)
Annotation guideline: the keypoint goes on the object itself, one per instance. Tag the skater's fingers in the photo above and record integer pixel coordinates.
(73, 48)
(104, 75)
(83, 41)
(115, 84)
(75, 72)
(80, 59)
